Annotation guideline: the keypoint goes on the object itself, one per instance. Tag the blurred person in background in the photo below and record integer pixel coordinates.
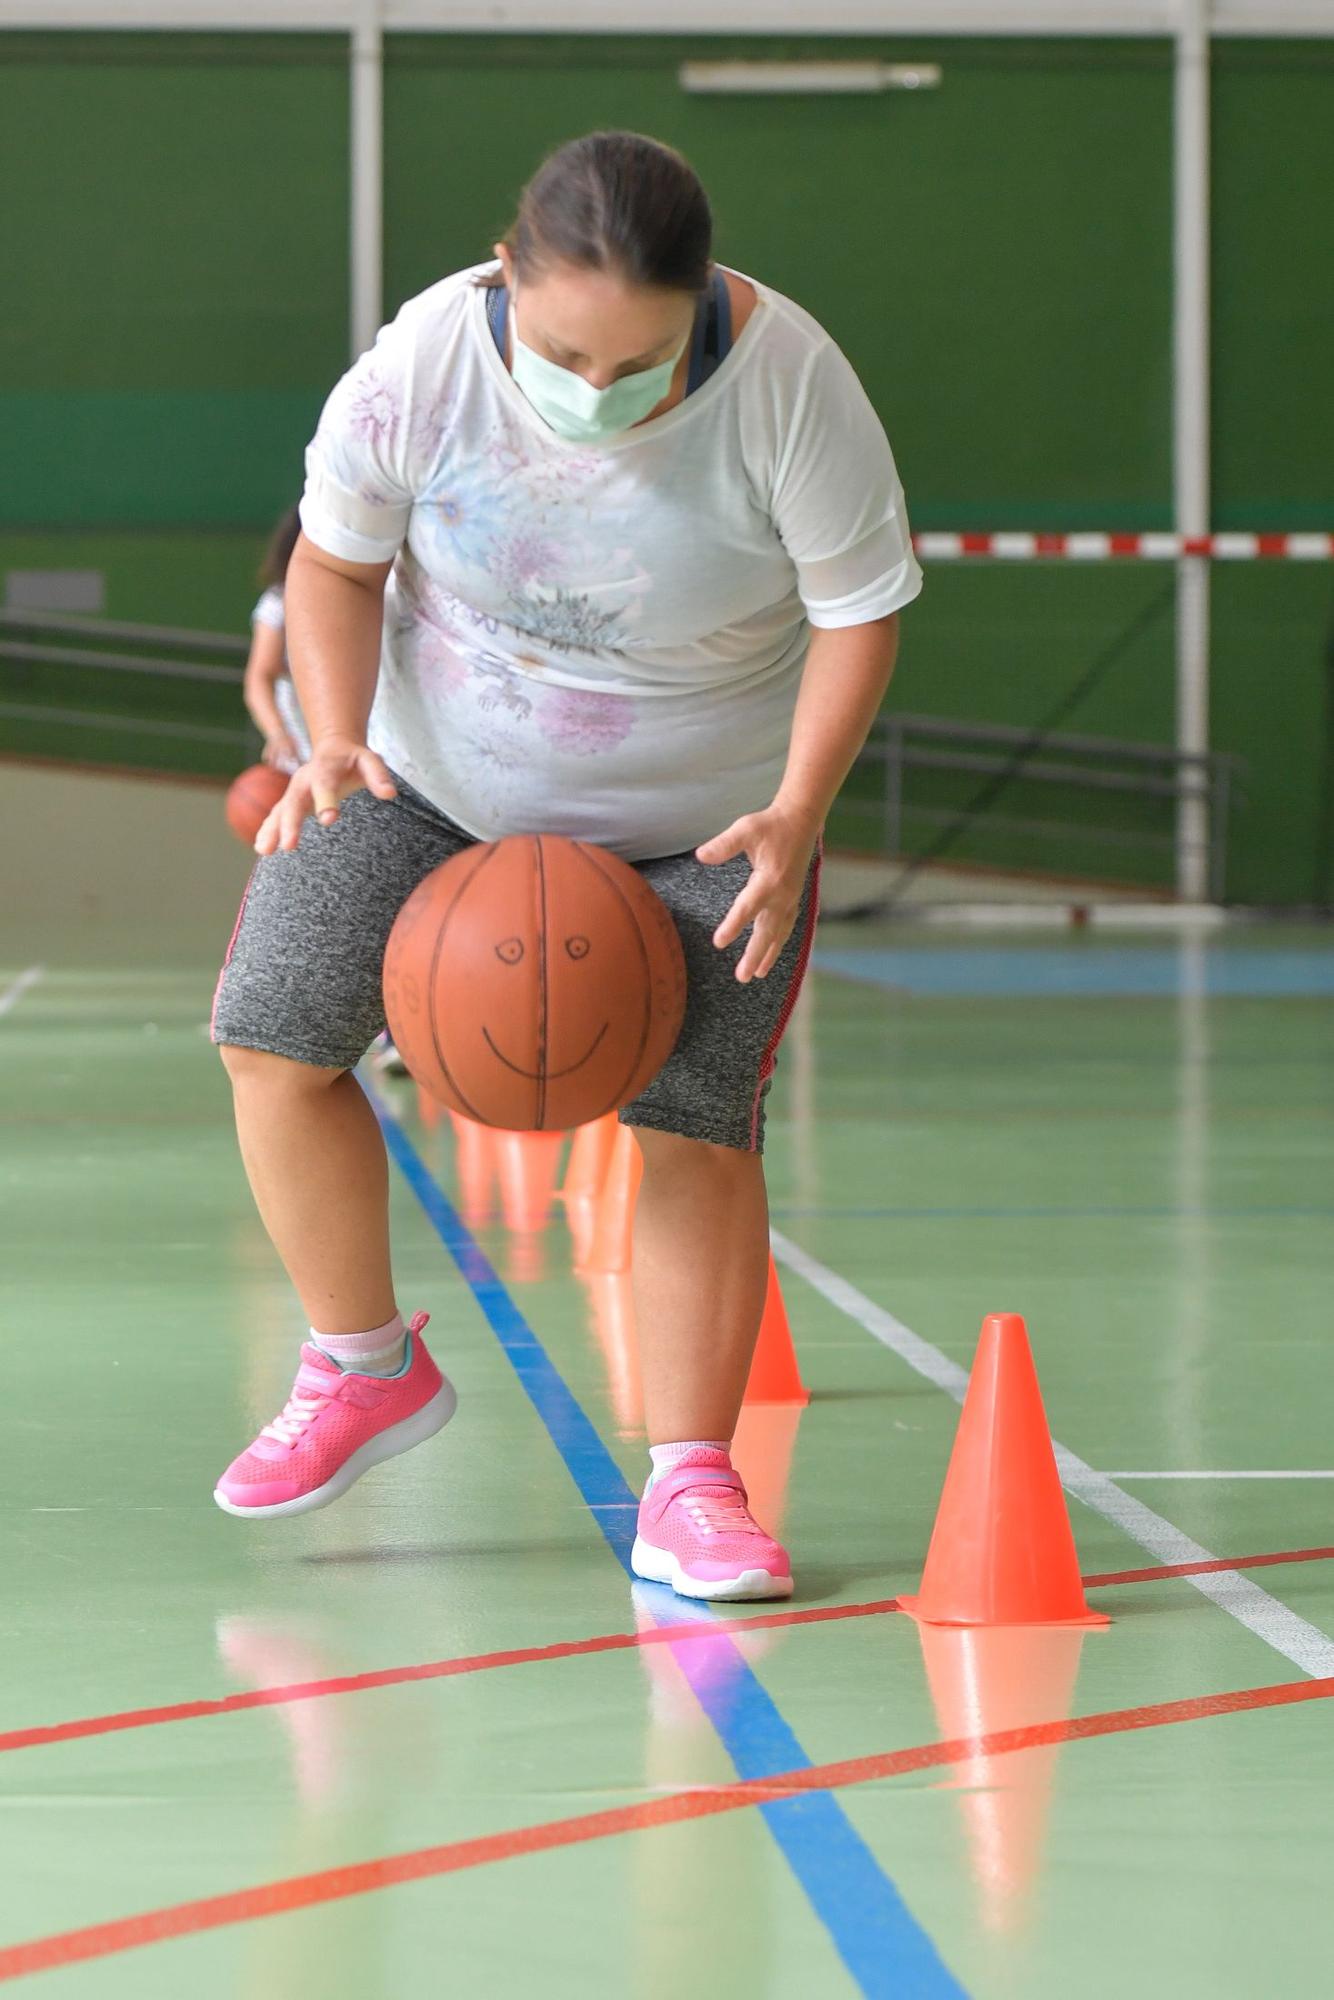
(267, 689)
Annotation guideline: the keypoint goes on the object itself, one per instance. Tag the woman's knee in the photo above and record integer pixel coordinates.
(258, 1069)
(667, 1154)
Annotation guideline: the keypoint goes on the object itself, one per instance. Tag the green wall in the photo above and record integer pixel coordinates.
(1273, 269)
(995, 257)
(174, 241)
(168, 576)
(1273, 453)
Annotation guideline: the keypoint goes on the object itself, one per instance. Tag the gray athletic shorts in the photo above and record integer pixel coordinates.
(302, 976)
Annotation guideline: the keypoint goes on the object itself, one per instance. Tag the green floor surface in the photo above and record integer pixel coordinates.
(1148, 1180)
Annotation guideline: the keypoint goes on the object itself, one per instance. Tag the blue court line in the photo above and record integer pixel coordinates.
(1084, 972)
(886, 1951)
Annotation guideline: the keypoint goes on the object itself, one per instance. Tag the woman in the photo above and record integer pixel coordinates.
(267, 689)
(598, 494)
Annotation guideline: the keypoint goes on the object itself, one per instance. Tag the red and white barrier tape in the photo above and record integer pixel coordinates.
(1153, 547)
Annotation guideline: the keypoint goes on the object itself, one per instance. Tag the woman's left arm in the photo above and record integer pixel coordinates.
(843, 683)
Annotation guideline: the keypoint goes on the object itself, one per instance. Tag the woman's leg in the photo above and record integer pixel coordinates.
(701, 1263)
(318, 1172)
(365, 1390)
(298, 1002)
(701, 1252)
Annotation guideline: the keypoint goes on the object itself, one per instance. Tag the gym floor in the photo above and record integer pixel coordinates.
(489, 1762)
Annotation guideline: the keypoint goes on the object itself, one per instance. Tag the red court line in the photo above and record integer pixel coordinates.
(1213, 1568)
(359, 1878)
(428, 1670)
(564, 1649)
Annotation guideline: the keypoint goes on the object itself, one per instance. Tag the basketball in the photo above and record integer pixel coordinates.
(251, 798)
(534, 983)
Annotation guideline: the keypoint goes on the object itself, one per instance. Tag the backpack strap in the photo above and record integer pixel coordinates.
(497, 314)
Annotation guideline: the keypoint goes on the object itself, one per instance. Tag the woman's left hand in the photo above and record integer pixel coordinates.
(779, 845)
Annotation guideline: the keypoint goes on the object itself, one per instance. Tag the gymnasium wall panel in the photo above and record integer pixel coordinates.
(994, 256)
(1273, 284)
(1273, 453)
(174, 243)
(1272, 704)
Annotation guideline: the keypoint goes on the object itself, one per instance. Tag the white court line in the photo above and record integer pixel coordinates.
(16, 989)
(1218, 1475)
(1304, 1644)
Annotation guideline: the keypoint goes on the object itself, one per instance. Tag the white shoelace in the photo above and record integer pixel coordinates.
(297, 1414)
(723, 1513)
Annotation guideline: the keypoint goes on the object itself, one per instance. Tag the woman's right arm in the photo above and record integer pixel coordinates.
(361, 483)
(335, 611)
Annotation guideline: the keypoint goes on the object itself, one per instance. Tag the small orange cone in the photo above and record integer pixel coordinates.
(529, 1165)
(476, 1148)
(613, 1228)
(774, 1375)
(1002, 1551)
(590, 1157)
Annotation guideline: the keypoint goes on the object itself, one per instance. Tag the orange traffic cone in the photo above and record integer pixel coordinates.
(590, 1156)
(476, 1148)
(774, 1375)
(985, 1682)
(529, 1165)
(1002, 1551)
(613, 1227)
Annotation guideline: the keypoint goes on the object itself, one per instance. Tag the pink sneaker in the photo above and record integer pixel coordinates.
(697, 1534)
(335, 1426)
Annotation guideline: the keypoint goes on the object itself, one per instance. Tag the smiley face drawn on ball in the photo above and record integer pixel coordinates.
(512, 951)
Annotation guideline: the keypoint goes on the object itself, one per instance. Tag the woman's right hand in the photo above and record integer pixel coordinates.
(338, 767)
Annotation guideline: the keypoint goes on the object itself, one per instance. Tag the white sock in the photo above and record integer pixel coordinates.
(378, 1351)
(665, 1456)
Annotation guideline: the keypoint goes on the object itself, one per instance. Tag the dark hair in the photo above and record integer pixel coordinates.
(279, 552)
(615, 201)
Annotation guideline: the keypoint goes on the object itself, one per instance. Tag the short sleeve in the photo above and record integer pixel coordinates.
(269, 610)
(838, 504)
(358, 493)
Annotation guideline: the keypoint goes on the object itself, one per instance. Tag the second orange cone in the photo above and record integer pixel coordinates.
(774, 1374)
(1002, 1551)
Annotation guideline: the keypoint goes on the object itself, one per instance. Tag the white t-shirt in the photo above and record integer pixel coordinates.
(603, 641)
(269, 611)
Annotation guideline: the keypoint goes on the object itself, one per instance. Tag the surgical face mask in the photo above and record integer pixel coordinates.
(576, 410)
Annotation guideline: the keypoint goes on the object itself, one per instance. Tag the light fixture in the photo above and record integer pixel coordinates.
(805, 79)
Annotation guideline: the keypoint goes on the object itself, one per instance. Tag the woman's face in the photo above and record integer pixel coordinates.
(594, 323)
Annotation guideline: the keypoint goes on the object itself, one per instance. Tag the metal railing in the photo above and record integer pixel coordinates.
(56, 644)
(1003, 758)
